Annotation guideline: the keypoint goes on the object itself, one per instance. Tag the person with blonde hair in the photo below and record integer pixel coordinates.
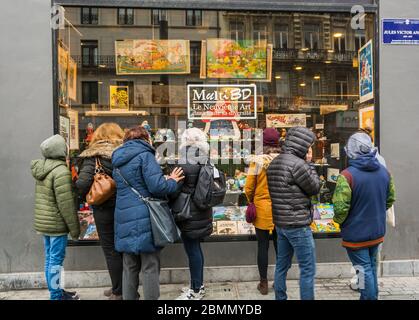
(106, 138)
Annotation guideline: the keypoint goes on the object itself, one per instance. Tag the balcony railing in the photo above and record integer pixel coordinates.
(314, 55)
(103, 62)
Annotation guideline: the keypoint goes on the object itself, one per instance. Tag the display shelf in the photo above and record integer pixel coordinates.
(115, 113)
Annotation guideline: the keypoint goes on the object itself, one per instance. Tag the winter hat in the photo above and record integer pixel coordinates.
(358, 144)
(194, 137)
(270, 137)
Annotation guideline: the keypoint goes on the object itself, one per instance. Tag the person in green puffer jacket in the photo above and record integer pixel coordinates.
(55, 211)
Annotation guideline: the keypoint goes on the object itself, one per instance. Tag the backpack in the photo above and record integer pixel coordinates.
(210, 188)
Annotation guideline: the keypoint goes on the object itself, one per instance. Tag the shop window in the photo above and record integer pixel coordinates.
(360, 39)
(236, 30)
(158, 15)
(339, 41)
(90, 92)
(193, 17)
(195, 53)
(281, 36)
(89, 15)
(89, 50)
(259, 31)
(125, 16)
(312, 36)
(282, 82)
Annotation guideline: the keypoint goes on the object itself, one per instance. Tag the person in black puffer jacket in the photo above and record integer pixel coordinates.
(194, 151)
(105, 140)
(292, 180)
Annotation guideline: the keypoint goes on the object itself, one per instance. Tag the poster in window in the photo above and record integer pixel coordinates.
(65, 128)
(72, 79)
(366, 72)
(119, 97)
(63, 75)
(366, 119)
(243, 59)
(74, 129)
(152, 57)
(286, 120)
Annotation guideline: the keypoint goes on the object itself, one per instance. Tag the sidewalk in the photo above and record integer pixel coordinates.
(406, 288)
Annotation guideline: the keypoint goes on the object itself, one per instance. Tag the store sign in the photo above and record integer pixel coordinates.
(347, 119)
(219, 101)
(400, 31)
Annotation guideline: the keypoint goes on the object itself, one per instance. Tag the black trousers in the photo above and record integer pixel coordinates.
(262, 237)
(104, 219)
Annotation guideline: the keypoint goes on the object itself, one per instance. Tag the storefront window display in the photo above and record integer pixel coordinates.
(230, 73)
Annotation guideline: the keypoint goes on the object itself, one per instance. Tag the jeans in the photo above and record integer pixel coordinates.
(262, 237)
(300, 241)
(196, 261)
(104, 219)
(149, 264)
(365, 263)
(54, 257)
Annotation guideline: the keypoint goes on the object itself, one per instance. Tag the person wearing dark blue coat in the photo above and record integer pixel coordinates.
(135, 161)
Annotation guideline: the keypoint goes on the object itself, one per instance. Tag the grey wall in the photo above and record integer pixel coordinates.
(25, 120)
(399, 69)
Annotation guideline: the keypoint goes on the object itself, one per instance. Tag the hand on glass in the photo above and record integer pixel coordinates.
(309, 155)
(177, 174)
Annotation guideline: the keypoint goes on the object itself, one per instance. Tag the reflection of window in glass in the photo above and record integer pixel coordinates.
(159, 93)
(259, 31)
(89, 51)
(360, 39)
(282, 84)
(89, 15)
(281, 36)
(158, 15)
(312, 88)
(125, 16)
(341, 88)
(236, 30)
(195, 53)
(339, 41)
(130, 85)
(312, 36)
(193, 17)
(89, 92)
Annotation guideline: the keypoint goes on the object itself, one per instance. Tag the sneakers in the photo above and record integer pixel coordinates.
(201, 290)
(70, 295)
(191, 295)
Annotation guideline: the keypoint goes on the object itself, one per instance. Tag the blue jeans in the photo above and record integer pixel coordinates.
(300, 241)
(365, 263)
(196, 261)
(54, 258)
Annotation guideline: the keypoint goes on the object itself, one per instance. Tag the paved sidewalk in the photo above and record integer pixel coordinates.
(406, 288)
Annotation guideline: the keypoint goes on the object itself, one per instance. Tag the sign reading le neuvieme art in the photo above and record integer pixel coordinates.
(221, 101)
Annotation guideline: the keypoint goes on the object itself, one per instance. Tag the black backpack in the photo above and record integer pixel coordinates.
(210, 190)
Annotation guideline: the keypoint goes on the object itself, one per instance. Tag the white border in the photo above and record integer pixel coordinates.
(254, 117)
(370, 95)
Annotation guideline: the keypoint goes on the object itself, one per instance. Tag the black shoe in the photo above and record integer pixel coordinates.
(70, 295)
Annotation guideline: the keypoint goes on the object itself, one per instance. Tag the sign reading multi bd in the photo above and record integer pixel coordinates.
(221, 101)
(400, 31)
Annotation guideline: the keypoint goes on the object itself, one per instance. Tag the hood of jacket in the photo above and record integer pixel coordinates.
(130, 150)
(366, 162)
(298, 141)
(42, 167)
(262, 160)
(54, 147)
(102, 148)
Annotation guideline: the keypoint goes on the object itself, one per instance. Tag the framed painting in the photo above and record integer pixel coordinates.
(119, 97)
(72, 79)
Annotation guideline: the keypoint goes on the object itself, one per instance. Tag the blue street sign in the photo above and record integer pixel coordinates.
(400, 31)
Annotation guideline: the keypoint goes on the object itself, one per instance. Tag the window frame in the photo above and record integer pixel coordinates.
(90, 15)
(126, 15)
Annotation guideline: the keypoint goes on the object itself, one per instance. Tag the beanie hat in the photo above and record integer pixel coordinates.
(270, 137)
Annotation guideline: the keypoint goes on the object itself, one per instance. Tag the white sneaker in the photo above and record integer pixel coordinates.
(201, 290)
(190, 295)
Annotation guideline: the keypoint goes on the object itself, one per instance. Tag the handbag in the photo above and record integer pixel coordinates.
(181, 207)
(103, 186)
(251, 207)
(163, 226)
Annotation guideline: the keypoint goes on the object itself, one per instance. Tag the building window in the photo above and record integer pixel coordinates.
(193, 17)
(158, 15)
(339, 41)
(236, 30)
(312, 88)
(312, 36)
(282, 82)
(360, 39)
(341, 89)
(281, 36)
(195, 53)
(89, 92)
(89, 15)
(159, 92)
(259, 31)
(89, 51)
(126, 16)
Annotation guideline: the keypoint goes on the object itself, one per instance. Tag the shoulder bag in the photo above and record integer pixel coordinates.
(251, 207)
(103, 187)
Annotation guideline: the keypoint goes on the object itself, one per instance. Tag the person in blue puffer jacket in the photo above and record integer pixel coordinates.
(135, 161)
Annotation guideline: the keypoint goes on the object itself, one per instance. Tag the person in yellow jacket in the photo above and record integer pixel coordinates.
(257, 191)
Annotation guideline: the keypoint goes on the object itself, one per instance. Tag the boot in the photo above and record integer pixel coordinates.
(115, 297)
(107, 292)
(263, 286)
